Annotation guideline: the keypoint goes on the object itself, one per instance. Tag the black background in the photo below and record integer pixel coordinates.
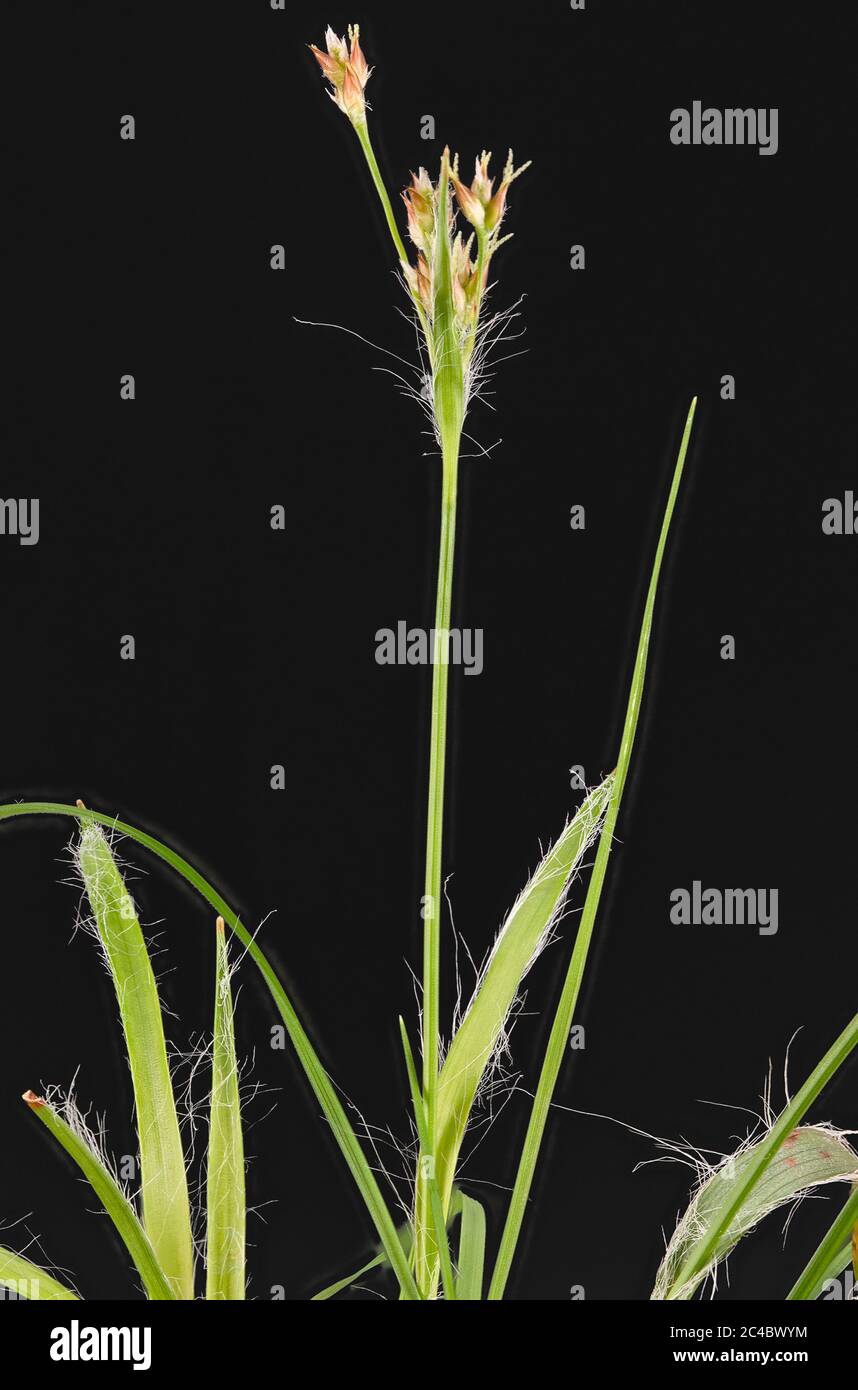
(256, 648)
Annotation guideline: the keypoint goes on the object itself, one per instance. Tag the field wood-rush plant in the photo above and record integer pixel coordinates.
(441, 1251)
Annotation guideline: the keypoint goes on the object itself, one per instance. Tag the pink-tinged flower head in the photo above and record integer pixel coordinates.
(470, 202)
(480, 205)
(420, 282)
(465, 280)
(347, 70)
(483, 186)
(419, 199)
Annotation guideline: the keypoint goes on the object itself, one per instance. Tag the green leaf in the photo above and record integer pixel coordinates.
(831, 1257)
(225, 1194)
(559, 1036)
(111, 1196)
(27, 1280)
(472, 1251)
(807, 1158)
(525, 930)
(163, 1179)
(341, 1284)
(703, 1251)
(379, 1261)
(313, 1069)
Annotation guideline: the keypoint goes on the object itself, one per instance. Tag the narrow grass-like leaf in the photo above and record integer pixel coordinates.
(477, 1039)
(313, 1069)
(341, 1284)
(111, 1196)
(837, 1264)
(807, 1158)
(381, 1261)
(703, 1251)
(439, 1226)
(831, 1257)
(163, 1179)
(26, 1280)
(225, 1191)
(558, 1038)
(472, 1251)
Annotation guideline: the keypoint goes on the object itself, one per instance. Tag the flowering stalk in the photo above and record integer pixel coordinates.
(447, 289)
(347, 70)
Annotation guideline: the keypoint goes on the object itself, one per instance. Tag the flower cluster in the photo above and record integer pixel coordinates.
(462, 264)
(347, 71)
(483, 208)
(480, 205)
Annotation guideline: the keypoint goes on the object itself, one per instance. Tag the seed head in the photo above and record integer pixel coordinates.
(419, 199)
(480, 205)
(347, 70)
(420, 282)
(465, 281)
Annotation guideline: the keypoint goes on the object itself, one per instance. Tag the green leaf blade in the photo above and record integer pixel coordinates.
(556, 1047)
(808, 1158)
(831, 1257)
(702, 1252)
(472, 1251)
(125, 1219)
(319, 1081)
(525, 930)
(225, 1195)
(26, 1280)
(163, 1178)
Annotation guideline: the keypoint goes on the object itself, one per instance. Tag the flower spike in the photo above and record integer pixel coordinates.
(347, 71)
(480, 205)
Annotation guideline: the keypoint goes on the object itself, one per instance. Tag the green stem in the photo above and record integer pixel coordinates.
(557, 1041)
(449, 404)
(362, 132)
(426, 1257)
(435, 807)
